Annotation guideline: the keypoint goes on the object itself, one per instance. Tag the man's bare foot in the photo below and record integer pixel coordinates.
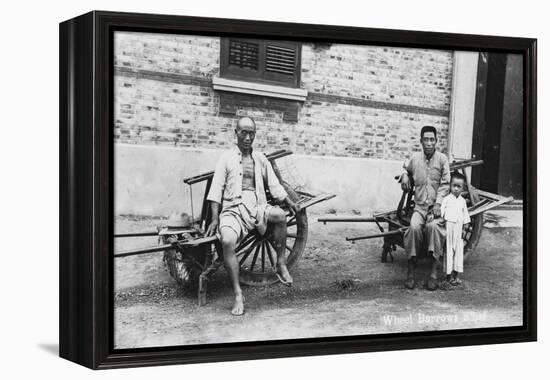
(432, 284)
(410, 283)
(283, 275)
(238, 306)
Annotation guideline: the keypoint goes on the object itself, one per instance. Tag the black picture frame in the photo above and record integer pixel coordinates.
(86, 190)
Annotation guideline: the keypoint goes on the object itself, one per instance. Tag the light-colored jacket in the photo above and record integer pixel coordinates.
(226, 187)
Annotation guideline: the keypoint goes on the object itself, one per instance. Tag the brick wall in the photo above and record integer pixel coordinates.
(363, 101)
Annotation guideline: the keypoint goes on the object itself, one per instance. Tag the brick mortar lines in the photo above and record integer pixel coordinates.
(312, 96)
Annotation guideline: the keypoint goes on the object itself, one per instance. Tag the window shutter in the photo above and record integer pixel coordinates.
(245, 55)
(280, 60)
(263, 61)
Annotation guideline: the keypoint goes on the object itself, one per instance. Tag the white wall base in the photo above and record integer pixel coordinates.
(148, 180)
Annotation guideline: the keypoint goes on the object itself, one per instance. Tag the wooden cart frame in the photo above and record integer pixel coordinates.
(398, 220)
(202, 256)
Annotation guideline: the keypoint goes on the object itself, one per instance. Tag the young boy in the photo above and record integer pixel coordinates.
(455, 213)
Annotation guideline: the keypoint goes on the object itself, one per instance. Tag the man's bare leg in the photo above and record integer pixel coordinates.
(433, 271)
(411, 273)
(412, 240)
(229, 242)
(435, 233)
(432, 279)
(277, 218)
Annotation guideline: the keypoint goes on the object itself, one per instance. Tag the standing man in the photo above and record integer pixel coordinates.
(238, 189)
(430, 172)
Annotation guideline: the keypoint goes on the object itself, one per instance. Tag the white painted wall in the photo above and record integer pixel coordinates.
(148, 180)
(463, 96)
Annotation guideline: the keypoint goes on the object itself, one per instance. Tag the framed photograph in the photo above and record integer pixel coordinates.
(235, 189)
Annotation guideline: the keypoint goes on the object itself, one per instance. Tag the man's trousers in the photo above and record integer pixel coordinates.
(423, 238)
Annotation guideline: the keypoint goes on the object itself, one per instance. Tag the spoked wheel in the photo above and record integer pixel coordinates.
(473, 233)
(257, 255)
(183, 266)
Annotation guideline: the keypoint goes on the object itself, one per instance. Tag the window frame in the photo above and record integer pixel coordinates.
(261, 76)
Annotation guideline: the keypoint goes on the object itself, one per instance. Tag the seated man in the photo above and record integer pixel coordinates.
(238, 186)
(430, 172)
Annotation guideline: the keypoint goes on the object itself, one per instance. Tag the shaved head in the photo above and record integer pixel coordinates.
(245, 132)
(246, 122)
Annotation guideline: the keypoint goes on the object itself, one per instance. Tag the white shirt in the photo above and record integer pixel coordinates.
(454, 209)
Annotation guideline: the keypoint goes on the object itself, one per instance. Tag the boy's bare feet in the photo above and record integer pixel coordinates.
(456, 281)
(238, 306)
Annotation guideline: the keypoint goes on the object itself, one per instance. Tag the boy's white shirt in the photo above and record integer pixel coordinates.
(454, 209)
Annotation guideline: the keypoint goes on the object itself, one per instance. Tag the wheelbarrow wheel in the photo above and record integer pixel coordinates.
(257, 256)
(183, 267)
(473, 232)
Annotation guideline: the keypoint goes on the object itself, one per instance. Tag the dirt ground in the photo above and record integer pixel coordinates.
(339, 289)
